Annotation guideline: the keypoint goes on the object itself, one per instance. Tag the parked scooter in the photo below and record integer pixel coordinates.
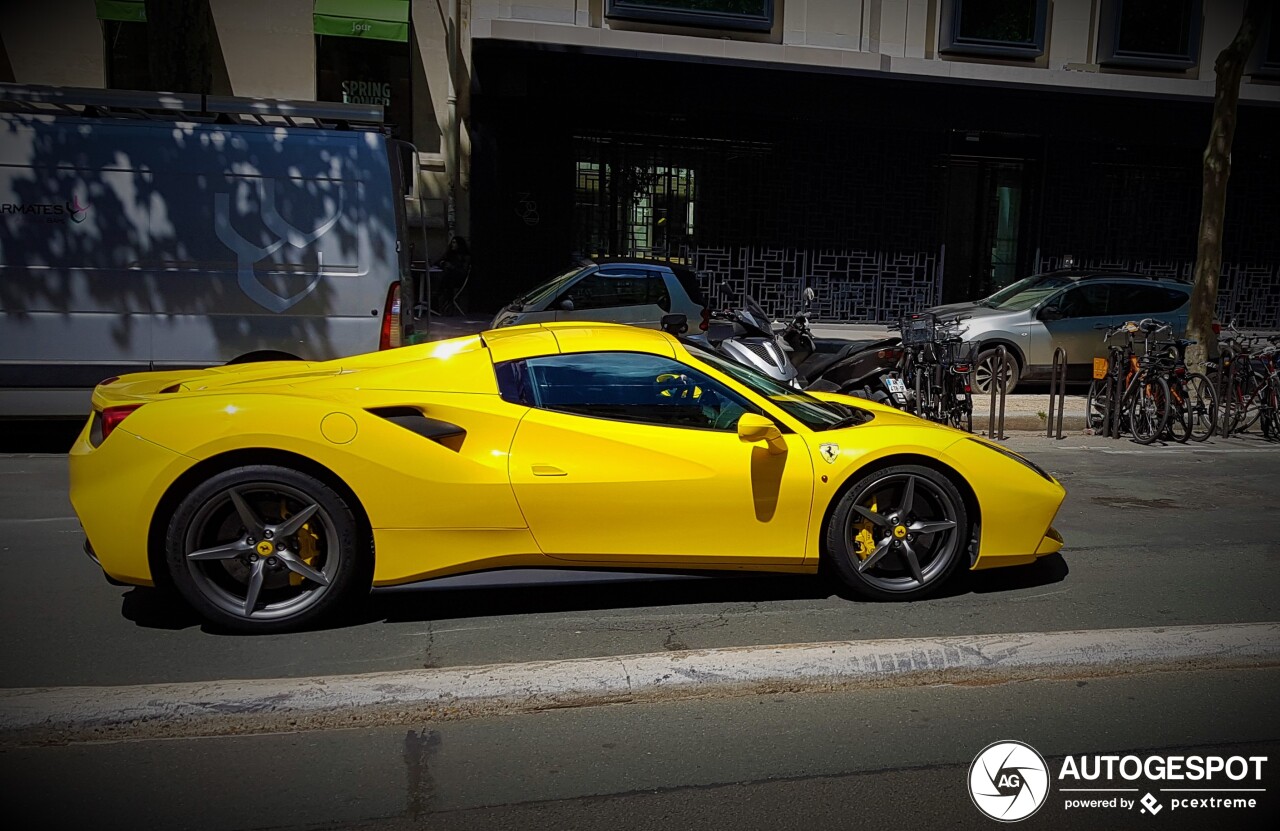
(865, 368)
(795, 357)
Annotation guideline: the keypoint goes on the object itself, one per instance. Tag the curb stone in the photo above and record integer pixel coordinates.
(63, 714)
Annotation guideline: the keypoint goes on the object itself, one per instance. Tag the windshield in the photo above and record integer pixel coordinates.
(548, 290)
(810, 411)
(1026, 293)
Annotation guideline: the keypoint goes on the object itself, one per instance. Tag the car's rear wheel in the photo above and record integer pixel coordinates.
(898, 533)
(987, 367)
(264, 548)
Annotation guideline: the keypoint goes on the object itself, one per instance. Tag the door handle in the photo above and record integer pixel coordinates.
(548, 470)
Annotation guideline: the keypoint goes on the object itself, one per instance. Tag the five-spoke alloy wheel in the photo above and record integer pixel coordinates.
(898, 533)
(264, 549)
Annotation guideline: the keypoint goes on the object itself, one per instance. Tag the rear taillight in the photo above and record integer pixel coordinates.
(706, 319)
(1217, 328)
(962, 368)
(390, 338)
(112, 416)
(1180, 371)
(889, 354)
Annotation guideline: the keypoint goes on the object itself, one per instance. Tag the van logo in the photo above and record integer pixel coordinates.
(77, 210)
(247, 253)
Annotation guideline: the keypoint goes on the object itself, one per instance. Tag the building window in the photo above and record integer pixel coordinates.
(751, 15)
(1266, 60)
(362, 56)
(1008, 28)
(1149, 34)
(124, 39)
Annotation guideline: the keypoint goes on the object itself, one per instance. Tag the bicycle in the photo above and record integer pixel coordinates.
(937, 366)
(1143, 406)
(1192, 395)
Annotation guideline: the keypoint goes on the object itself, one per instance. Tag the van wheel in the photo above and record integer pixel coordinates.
(260, 357)
(264, 548)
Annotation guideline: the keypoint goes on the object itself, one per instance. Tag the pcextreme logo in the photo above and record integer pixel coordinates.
(1008, 781)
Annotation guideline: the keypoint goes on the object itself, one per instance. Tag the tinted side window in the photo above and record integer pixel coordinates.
(1084, 301)
(623, 386)
(1142, 301)
(611, 289)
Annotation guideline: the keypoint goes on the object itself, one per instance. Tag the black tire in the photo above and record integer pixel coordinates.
(1202, 405)
(301, 578)
(1149, 409)
(936, 499)
(1097, 406)
(984, 369)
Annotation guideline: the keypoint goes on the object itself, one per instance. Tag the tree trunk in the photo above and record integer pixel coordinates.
(1213, 195)
(178, 45)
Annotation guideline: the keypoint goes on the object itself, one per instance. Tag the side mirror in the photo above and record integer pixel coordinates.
(566, 304)
(754, 428)
(675, 324)
(1050, 313)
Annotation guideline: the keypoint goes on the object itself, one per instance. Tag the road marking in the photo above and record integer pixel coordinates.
(222, 707)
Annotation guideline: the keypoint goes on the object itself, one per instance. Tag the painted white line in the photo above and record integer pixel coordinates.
(223, 706)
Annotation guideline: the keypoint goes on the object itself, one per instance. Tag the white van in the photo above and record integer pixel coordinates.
(152, 231)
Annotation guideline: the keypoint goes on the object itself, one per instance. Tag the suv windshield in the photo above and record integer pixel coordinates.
(1025, 293)
(811, 412)
(543, 293)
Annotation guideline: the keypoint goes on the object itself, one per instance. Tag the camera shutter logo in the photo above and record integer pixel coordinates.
(1008, 781)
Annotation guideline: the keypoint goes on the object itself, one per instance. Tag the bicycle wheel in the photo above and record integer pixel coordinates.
(1270, 414)
(1098, 405)
(1178, 426)
(1202, 406)
(1148, 408)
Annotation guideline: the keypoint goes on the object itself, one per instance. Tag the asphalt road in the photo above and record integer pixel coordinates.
(1155, 536)
(874, 759)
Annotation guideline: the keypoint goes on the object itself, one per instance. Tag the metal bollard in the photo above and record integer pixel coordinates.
(1057, 391)
(1228, 400)
(1115, 380)
(995, 430)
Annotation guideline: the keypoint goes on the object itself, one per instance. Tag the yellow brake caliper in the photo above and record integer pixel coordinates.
(863, 539)
(307, 548)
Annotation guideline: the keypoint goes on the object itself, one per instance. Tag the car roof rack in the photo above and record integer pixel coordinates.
(179, 106)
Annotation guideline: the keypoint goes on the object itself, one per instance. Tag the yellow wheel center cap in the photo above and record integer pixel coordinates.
(266, 549)
(900, 531)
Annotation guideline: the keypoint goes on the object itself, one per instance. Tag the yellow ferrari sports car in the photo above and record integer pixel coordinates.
(269, 494)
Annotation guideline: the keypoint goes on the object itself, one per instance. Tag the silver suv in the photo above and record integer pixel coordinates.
(1036, 315)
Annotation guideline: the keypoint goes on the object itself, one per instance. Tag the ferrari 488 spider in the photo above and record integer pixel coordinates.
(267, 495)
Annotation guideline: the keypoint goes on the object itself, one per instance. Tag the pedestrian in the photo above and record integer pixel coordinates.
(455, 268)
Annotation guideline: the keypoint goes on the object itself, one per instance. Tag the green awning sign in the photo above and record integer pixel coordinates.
(377, 19)
(132, 11)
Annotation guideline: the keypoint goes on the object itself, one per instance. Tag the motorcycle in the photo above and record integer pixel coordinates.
(795, 357)
(863, 368)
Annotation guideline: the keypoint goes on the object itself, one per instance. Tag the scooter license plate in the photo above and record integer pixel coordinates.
(896, 386)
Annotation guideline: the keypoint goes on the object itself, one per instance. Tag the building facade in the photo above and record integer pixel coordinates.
(888, 154)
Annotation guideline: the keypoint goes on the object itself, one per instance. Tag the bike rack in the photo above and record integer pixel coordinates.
(1057, 391)
(995, 430)
(1228, 401)
(1112, 428)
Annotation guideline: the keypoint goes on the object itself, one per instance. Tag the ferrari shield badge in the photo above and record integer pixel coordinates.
(829, 452)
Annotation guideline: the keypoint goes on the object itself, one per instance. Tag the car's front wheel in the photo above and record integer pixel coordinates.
(898, 533)
(987, 368)
(264, 548)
